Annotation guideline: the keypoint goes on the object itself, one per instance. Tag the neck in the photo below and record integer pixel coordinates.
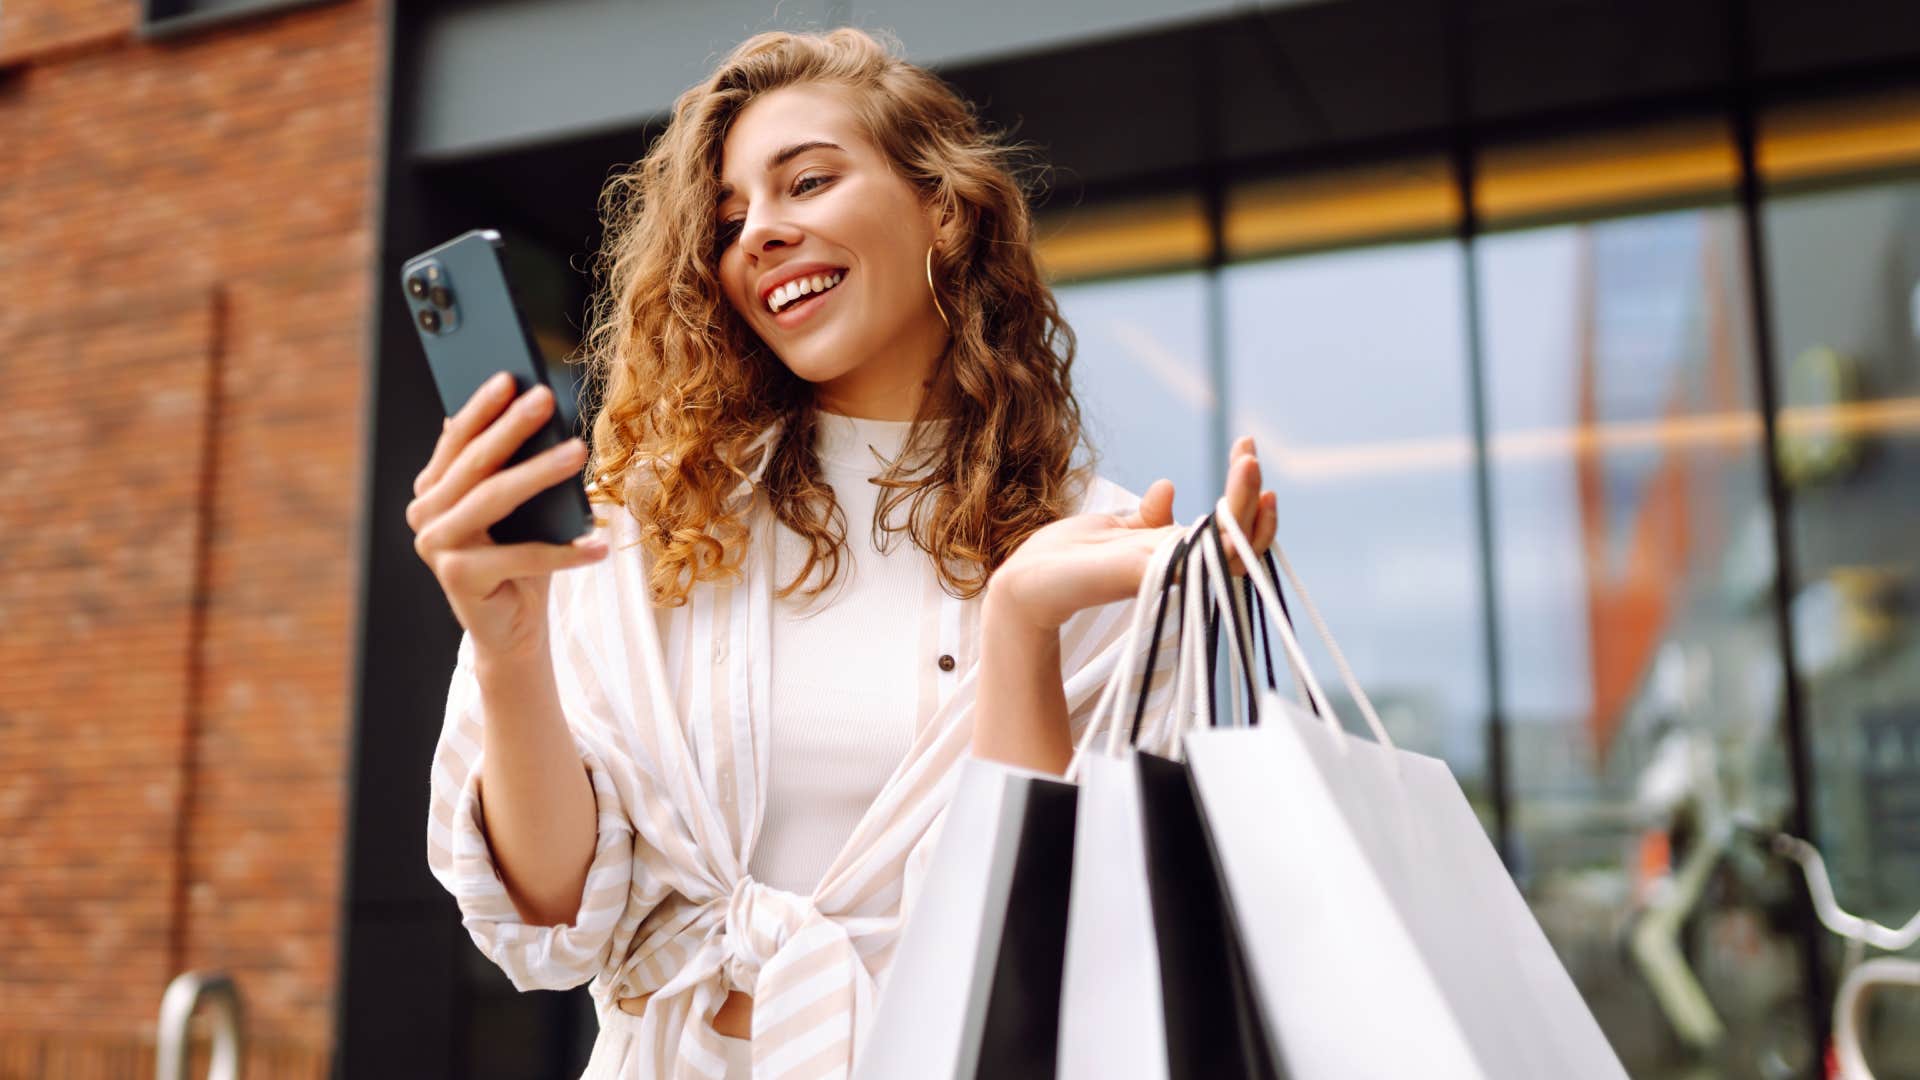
(877, 391)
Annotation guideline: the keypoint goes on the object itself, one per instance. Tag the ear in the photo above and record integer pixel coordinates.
(943, 216)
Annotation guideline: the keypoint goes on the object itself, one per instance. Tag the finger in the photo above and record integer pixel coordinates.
(1243, 484)
(1243, 500)
(493, 498)
(1260, 532)
(1237, 492)
(483, 455)
(1267, 524)
(1156, 507)
(480, 570)
(457, 430)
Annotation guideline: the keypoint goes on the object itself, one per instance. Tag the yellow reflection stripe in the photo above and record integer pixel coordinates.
(1855, 135)
(1596, 171)
(1150, 234)
(1343, 207)
(1724, 430)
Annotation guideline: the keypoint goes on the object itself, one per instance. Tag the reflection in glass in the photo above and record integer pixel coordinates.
(1141, 376)
(1402, 199)
(1349, 370)
(1588, 174)
(1844, 274)
(1640, 668)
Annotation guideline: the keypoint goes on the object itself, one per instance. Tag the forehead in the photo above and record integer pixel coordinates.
(789, 115)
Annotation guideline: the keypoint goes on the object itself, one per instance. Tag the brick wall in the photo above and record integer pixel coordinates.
(185, 238)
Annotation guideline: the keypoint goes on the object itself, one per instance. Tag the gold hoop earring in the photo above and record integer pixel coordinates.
(936, 292)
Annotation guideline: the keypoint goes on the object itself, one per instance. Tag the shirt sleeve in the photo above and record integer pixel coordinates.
(617, 891)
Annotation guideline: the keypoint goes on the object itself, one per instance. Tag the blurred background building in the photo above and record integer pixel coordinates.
(1581, 339)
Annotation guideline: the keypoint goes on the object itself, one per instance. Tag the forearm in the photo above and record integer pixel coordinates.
(1020, 715)
(536, 795)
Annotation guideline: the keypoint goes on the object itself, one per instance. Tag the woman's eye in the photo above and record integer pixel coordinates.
(726, 233)
(809, 183)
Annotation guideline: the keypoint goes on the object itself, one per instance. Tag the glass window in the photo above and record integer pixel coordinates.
(1349, 369)
(1640, 670)
(160, 18)
(1842, 230)
(1142, 378)
(1843, 266)
(1844, 273)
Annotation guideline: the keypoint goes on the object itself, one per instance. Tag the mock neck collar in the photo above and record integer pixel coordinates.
(852, 441)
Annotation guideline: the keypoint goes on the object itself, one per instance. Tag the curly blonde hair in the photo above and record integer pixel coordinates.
(685, 388)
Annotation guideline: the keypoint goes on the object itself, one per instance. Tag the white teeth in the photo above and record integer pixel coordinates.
(798, 287)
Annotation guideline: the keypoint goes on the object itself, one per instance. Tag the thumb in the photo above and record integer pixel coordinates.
(1156, 506)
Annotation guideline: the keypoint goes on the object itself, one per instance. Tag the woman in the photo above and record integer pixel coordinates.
(846, 543)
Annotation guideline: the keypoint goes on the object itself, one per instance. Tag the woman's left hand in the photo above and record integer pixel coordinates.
(1092, 559)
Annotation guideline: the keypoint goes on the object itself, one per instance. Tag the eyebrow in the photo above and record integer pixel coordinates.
(781, 157)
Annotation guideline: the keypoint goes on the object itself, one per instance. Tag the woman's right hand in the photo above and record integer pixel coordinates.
(498, 592)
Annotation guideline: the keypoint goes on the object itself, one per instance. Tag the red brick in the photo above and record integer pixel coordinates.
(140, 182)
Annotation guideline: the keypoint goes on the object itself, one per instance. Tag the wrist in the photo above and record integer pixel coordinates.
(494, 663)
(1003, 615)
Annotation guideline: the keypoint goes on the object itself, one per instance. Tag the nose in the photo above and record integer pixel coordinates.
(763, 232)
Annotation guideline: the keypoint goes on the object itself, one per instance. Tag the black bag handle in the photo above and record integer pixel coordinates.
(1243, 636)
(1255, 605)
(1266, 632)
(1159, 621)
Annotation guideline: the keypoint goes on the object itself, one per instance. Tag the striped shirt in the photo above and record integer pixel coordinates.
(668, 709)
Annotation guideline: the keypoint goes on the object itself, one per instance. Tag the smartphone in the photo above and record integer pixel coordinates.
(472, 328)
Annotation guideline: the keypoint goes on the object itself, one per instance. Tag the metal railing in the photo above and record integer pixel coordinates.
(186, 995)
(1864, 977)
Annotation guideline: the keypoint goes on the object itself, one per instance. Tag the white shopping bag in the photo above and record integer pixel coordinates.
(1153, 988)
(1384, 936)
(974, 989)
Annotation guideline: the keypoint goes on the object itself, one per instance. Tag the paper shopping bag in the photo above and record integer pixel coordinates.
(1383, 935)
(1153, 988)
(974, 989)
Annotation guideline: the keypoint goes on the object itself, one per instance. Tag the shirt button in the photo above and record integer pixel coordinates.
(946, 662)
(719, 653)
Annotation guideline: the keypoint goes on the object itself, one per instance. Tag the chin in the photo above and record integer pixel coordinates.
(817, 366)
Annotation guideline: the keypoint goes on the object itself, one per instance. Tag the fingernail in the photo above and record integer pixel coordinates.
(500, 381)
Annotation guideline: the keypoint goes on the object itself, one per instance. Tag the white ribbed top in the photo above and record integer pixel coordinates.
(845, 682)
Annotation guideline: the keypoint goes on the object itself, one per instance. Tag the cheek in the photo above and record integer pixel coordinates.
(891, 254)
(882, 221)
(733, 281)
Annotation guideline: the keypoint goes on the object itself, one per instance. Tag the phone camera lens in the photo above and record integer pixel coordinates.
(442, 296)
(417, 287)
(430, 321)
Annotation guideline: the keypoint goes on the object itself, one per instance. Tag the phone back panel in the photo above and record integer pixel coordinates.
(483, 332)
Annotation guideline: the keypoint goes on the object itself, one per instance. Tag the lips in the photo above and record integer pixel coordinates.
(787, 275)
(801, 309)
(802, 287)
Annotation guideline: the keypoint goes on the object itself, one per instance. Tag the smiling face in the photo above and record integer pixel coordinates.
(823, 252)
